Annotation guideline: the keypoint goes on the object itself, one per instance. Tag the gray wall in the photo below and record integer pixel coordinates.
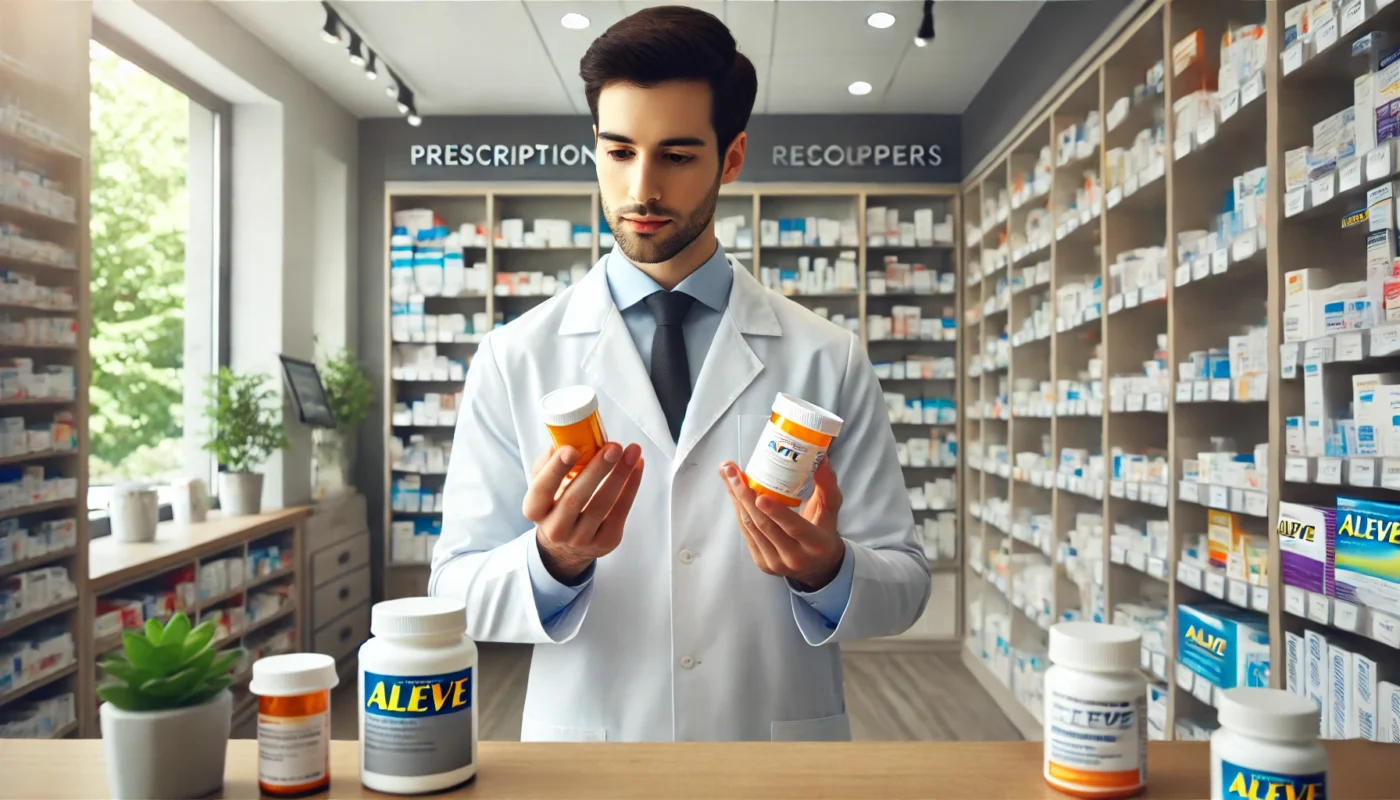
(385, 154)
(1059, 34)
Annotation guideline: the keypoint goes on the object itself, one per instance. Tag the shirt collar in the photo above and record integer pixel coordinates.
(710, 284)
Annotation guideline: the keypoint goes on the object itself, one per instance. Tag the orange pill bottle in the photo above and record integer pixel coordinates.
(791, 447)
(294, 722)
(571, 414)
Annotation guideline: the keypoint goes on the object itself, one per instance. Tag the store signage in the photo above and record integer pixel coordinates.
(500, 155)
(858, 155)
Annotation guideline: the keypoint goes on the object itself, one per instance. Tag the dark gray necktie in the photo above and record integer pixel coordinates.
(670, 369)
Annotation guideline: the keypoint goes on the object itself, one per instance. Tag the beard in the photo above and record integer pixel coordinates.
(670, 241)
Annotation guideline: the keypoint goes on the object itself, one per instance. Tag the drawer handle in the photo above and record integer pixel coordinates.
(344, 592)
(344, 558)
(345, 633)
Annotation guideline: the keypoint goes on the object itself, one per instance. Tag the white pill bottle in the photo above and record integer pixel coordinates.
(1267, 746)
(418, 719)
(1095, 711)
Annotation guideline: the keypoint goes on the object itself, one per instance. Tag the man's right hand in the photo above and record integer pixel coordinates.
(581, 520)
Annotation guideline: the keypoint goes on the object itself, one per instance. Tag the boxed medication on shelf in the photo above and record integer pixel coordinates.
(1367, 543)
(1307, 543)
(38, 719)
(413, 541)
(1226, 646)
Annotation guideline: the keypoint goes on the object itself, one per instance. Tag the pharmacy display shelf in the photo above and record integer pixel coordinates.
(44, 129)
(1212, 200)
(867, 296)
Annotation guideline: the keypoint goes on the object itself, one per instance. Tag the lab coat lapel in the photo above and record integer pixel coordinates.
(612, 364)
(730, 364)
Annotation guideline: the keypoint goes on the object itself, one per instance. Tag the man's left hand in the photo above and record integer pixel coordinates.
(803, 547)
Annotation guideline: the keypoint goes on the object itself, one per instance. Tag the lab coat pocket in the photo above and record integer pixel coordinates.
(823, 729)
(535, 731)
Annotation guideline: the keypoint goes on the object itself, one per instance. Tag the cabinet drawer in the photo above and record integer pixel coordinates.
(334, 521)
(343, 636)
(339, 596)
(342, 559)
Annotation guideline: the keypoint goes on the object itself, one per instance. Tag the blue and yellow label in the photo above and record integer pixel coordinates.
(1242, 783)
(1203, 638)
(1367, 568)
(418, 695)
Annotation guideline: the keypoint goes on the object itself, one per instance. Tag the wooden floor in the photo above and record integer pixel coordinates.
(889, 697)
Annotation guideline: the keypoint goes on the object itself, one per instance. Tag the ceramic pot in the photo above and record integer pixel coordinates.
(240, 493)
(176, 754)
(134, 513)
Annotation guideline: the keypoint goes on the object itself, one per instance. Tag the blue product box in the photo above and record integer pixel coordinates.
(1225, 645)
(1367, 570)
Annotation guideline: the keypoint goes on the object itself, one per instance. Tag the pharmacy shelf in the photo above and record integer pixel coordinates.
(1209, 288)
(485, 206)
(1026, 720)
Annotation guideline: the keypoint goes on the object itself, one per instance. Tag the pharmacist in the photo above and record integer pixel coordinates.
(669, 605)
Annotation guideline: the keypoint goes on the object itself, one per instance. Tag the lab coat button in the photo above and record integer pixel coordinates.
(687, 556)
(687, 662)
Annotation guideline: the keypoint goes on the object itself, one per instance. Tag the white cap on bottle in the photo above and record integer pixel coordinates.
(418, 616)
(807, 415)
(1268, 714)
(293, 674)
(568, 405)
(1095, 647)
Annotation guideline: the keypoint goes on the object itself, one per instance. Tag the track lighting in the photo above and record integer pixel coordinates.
(925, 34)
(391, 86)
(413, 118)
(372, 67)
(357, 50)
(405, 101)
(331, 30)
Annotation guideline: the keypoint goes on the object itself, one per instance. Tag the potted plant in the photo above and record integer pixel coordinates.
(350, 395)
(167, 713)
(245, 417)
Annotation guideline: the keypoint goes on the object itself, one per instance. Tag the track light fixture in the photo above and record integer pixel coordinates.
(331, 30)
(362, 55)
(925, 34)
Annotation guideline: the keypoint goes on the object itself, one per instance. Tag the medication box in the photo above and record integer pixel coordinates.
(1316, 674)
(1367, 554)
(1225, 645)
(1307, 538)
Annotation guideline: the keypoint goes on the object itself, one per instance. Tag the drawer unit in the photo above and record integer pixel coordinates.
(340, 559)
(343, 636)
(333, 599)
(335, 520)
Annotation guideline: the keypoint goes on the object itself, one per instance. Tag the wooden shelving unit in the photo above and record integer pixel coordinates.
(1054, 494)
(44, 130)
(487, 206)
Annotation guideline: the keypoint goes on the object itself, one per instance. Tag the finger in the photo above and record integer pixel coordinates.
(762, 554)
(610, 531)
(575, 495)
(791, 523)
(602, 500)
(826, 482)
(540, 462)
(539, 499)
(752, 522)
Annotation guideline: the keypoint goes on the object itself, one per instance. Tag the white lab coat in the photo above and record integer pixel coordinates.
(679, 636)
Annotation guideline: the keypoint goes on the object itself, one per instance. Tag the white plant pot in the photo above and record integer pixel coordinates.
(240, 493)
(174, 755)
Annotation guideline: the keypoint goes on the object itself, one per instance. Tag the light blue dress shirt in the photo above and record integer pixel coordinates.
(709, 285)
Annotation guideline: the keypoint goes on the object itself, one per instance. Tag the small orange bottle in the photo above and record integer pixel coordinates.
(792, 446)
(294, 722)
(571, 414)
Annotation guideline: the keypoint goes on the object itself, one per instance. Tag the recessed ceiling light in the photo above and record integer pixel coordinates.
(859, 88)
(880, 19)
(574, 22)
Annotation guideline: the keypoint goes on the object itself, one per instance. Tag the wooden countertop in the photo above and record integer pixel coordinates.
(888, 771)
(110, 563)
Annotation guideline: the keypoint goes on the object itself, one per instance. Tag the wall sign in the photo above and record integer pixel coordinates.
(888, 148)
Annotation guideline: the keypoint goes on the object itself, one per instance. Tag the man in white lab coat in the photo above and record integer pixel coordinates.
(670, 604)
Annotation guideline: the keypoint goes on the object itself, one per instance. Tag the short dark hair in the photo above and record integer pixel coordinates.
(675, 43)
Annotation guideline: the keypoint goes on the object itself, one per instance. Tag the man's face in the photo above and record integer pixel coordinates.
(659, 170)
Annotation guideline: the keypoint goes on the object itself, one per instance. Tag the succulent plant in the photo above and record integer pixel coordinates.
(167, 666)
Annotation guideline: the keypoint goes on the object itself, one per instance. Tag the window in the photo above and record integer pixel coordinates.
(158, 196)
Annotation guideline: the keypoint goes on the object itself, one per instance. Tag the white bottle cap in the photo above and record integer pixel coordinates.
(568, 405)
(807, 415)
(1268, 714)
(293, 674)
(1094, 647)
(418, 616)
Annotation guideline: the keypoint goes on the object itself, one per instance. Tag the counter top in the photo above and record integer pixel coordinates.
(951, 770)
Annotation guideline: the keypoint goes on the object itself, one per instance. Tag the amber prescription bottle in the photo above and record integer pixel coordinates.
(571, 414)
(790, 449)
(294, 722)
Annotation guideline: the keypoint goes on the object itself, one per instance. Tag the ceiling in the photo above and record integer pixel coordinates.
(514, 56)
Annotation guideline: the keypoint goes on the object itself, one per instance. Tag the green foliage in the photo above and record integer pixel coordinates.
(139, 215)
(168, 666)
(245, 420)
(348, 390)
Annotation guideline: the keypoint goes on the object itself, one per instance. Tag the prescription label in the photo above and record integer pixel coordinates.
(418, 725)
(1243, 783)
(1094, 742)
(784, 463)
(293, 751)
